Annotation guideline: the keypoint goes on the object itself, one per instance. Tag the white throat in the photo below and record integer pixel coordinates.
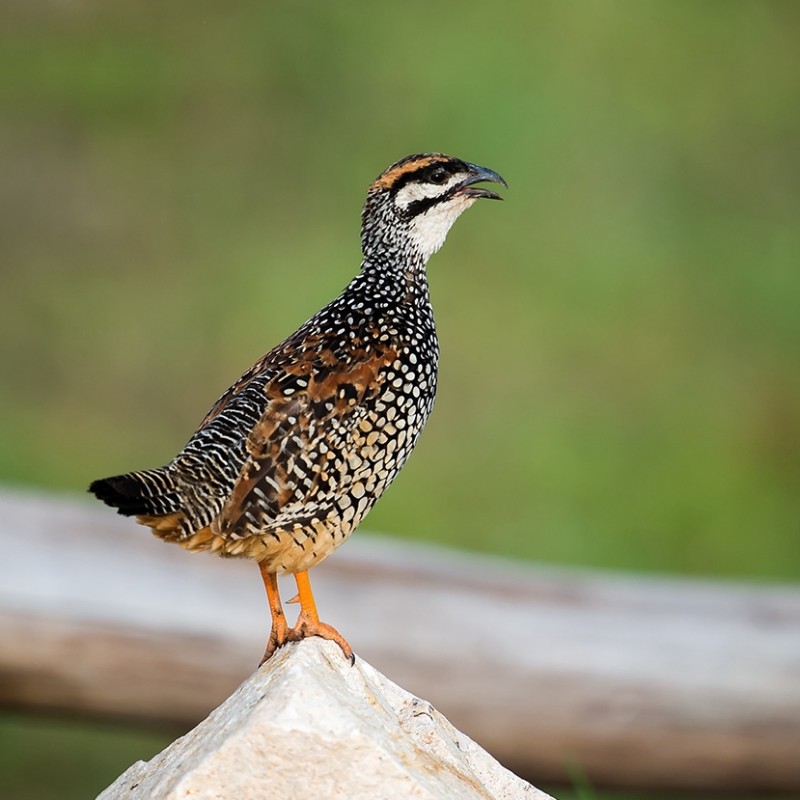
(429, 230)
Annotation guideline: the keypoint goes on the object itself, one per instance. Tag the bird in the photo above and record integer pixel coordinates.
(289, 460)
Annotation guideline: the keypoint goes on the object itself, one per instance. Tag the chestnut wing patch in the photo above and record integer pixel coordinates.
(291, 472)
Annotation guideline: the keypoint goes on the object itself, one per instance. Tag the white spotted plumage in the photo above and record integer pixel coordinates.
(290, 459)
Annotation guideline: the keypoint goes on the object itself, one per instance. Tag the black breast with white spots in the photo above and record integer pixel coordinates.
(369, 407)
(388, 420)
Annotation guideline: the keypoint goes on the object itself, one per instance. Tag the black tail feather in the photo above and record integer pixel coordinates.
(148, 493)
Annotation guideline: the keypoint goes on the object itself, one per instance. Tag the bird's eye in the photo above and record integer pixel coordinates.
(439, 175)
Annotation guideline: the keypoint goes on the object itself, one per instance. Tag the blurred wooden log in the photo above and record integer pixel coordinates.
(642, 682)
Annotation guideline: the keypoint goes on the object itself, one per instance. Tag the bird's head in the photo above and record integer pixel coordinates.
(413, 204)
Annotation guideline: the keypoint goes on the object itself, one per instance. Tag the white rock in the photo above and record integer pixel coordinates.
(307, 725)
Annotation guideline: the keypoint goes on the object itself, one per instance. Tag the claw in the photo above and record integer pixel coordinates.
(307, 626)
(278, 637)
(308, 623)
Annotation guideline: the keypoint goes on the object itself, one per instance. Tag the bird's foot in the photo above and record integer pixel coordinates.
(309, 626)
(278, 637)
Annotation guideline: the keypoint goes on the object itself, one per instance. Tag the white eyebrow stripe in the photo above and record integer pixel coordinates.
(414, 191)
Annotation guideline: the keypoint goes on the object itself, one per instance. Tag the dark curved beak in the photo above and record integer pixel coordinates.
(479, 175)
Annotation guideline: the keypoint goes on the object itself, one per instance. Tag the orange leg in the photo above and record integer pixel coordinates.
(279, 634)
(308, 623)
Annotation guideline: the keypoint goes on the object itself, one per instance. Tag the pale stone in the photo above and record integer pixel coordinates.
(307, 725)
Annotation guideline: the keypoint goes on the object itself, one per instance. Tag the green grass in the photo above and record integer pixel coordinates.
(81, 758)
(621, 337)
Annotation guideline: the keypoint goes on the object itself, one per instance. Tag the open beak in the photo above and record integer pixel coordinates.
(479, 175)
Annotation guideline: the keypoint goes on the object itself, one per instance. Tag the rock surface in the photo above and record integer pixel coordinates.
(308, 725)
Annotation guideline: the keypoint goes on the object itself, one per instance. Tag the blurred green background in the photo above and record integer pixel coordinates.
(620, 381)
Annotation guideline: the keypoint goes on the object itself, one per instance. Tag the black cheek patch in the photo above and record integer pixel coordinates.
(417, 207)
